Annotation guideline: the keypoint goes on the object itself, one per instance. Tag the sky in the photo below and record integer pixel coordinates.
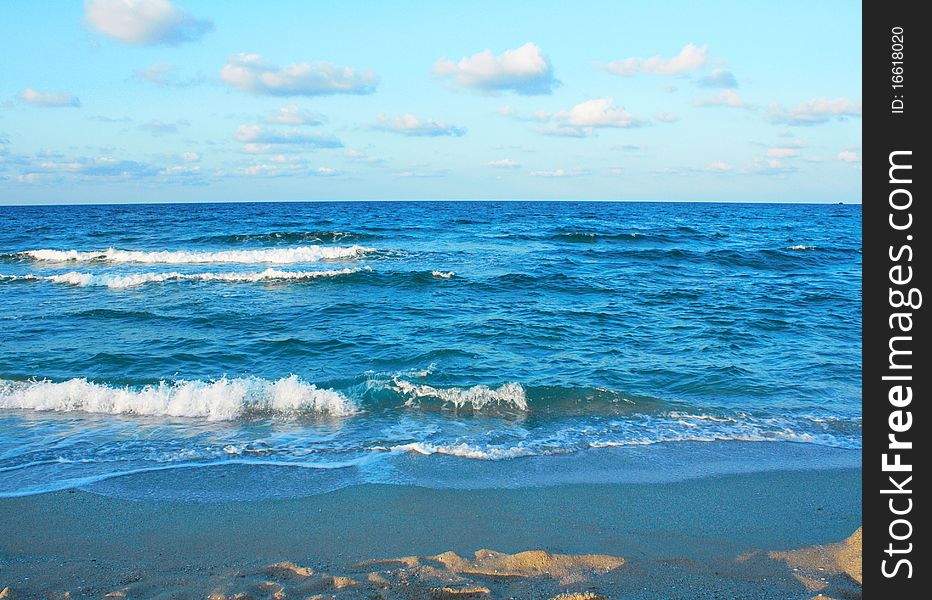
(198, 100)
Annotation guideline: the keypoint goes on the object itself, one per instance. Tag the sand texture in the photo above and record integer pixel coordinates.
(761, 535)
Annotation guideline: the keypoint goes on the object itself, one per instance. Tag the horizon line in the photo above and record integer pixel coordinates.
(438, 200)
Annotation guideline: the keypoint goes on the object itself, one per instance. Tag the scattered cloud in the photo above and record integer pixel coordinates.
(104, 166)
(727, 98)
(362, 156)
(249, 73)
(281, 165)
(252, 148)
(718, 78)
(48, 99)
(504, 163)
(524, 70)
(159, 128)
(412, 126)
(423, 173)
(558, 173)
(848, 156)
(782, 152)
(665, 117)
(585, 117)
(292, 115)
(267, 170)
(144, 22)
(769, 166)
(259, 139)
(691, 58)
(718, 166)
(815, 112)
(181, 170)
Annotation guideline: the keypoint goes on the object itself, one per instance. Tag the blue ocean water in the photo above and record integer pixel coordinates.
(355, 338)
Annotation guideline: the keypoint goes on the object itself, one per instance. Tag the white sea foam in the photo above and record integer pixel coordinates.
(443, 274)
(222, 399)
(466, 450)
(270, 255)
(478, 396)
(800, 247)
(135, 279)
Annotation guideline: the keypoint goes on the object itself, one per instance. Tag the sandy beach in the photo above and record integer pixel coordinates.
(761, 535)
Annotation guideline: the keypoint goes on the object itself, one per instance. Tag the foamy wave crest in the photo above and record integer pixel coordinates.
(800, 247)
(443, 274)
(269, 255)
(221, 400)
(466, 450)
(134, 279)
(477, 397)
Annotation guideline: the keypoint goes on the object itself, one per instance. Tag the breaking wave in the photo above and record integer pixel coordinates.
(477, 397)
(299, 254)
(135, 279)
(220, 400)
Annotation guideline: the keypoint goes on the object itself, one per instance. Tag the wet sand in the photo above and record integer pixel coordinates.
(725, 537)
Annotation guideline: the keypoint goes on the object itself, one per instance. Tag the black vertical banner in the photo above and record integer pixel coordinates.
(896, 368)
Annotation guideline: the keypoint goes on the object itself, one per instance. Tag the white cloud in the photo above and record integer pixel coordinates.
(252, 148)
(558, 173)
(91, 167)
(181, 170)
(48, 99)
(665, 117)
(292, 115)
(691, 58)
(249, 73)
(361, 156)
(524, 70)
(583, 118)
(848, 156)
(769, 166)
(412, 126)
(422, 174)
(816, 111)
(503, 163)
(782, 152)
(281, 166)
(258, 139)
(728, 98)
(144, 22)
(719, 78)
(265, 170)
(719, 166)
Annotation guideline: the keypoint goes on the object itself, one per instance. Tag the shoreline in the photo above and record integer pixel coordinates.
(699, 536)
(241, 479)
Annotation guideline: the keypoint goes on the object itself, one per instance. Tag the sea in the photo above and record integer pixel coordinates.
(258, 350)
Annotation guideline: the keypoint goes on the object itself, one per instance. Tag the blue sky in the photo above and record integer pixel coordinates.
(152, 100)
